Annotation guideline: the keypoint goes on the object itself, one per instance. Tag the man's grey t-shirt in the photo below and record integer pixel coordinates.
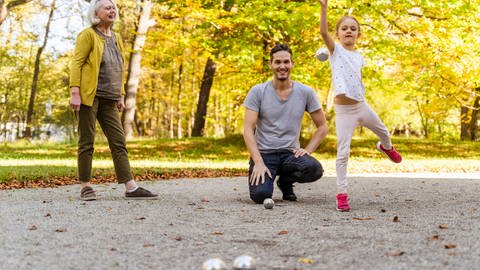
(279, 121)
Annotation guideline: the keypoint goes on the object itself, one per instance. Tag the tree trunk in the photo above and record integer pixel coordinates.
(31, 104)
(170, 106)
(139, 125)
(423, 119)
(207, 82)
(3, 11)
(464, 128)
(5, 8)
(192, 109)
(134, 67)
(179, 102)
(474, 119)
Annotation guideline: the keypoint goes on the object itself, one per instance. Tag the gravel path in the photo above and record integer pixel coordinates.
(395, 223)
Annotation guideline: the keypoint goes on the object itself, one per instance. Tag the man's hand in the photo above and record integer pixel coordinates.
(300, 152)
(75, 100)
(258, 174)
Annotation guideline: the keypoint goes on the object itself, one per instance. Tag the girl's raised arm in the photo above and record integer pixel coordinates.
(327, 38)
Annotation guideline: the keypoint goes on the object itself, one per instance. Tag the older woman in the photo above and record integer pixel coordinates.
(96, 82)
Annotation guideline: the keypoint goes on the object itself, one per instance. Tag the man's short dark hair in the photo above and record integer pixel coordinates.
(278, 48)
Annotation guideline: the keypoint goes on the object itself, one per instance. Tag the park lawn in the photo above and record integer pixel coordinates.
(55, 163)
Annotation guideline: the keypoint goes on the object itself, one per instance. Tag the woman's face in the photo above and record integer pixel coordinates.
(106, 12)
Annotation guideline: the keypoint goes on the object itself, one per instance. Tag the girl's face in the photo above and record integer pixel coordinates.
(348, 32)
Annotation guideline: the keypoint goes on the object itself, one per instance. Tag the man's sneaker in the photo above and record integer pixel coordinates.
(140, 194)
(287, 190)
(87, 194)
(392, 154)
(342, 202)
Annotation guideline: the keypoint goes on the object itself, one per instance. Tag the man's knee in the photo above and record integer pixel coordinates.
(318, 172)
(315, 172)
(259, 196)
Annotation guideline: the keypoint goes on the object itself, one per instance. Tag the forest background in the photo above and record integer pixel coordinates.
(194, 61)
(191, 63)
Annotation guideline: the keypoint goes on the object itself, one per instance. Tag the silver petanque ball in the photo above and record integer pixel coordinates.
(268, 203)
(322, 54)
(244, 262)
(214, 264)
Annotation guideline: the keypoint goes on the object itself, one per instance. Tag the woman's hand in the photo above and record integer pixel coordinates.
(121, 104)
(75, 100)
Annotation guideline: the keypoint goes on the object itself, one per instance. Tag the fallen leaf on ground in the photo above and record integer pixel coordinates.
(443, 226)
(306, 260)
(383, 210)
(32, 228)
(61, 229)
(177, 238)
(282, 232)
(140, 218)
(449, 246)
(148, 245)
(217, 233)
(396, 219)
(205, 199)
(360, 218)
(55, 181)
(47, 215)
(435, 237)
(395, 253)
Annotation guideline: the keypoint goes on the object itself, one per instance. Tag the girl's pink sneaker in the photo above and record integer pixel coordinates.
(342, 202)
(392, 154)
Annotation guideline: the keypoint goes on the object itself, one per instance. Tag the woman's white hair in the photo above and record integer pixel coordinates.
(92, 11)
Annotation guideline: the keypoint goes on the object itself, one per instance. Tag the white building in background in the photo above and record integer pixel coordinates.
(11, 131)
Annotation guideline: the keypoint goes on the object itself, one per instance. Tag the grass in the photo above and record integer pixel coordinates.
(200, 157)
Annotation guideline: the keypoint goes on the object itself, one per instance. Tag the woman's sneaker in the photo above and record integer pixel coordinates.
(342, 202)
(392, 154)
(87, 194)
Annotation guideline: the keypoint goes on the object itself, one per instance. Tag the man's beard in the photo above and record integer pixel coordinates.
(282, 78)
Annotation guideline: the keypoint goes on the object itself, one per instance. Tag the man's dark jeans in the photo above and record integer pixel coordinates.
(290, 169)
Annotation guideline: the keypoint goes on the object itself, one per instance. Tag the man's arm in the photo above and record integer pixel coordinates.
(259, 169)
(320, 122)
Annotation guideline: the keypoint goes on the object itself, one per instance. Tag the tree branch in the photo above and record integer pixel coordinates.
(16, 3)
(428, 17)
